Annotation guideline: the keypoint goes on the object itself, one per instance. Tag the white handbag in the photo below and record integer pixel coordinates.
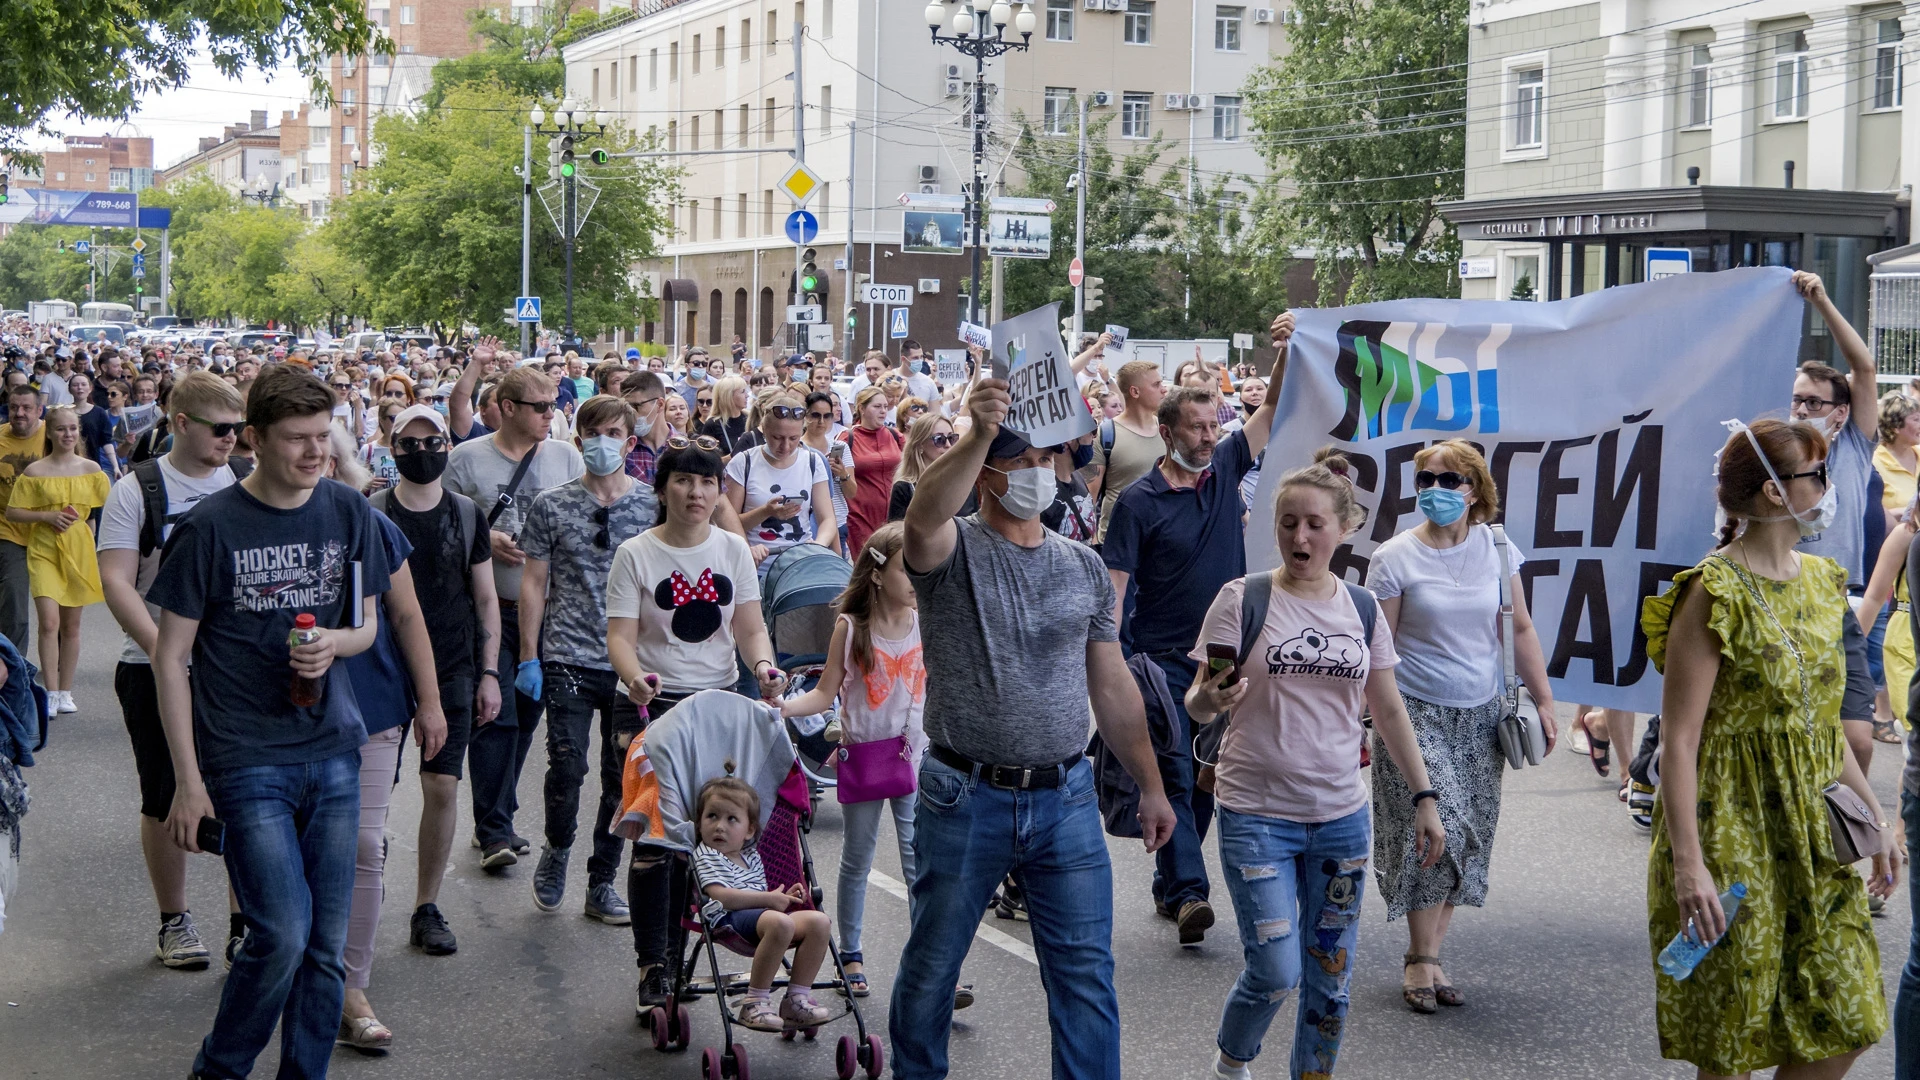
(1522, 737)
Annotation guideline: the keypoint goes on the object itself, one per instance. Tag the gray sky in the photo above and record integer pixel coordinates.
(176, 119)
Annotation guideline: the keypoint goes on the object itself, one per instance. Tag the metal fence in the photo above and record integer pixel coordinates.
(1894, 322)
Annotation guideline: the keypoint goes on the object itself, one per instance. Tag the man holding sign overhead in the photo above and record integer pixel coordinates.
(1019, 634)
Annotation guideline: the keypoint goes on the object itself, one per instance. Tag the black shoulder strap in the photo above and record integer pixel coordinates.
(381, 499)
(1366, 605)
(1106, 436)
(1253, 611)
(506, 497)
(153, 496)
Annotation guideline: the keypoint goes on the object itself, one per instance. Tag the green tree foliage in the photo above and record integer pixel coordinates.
(97, 57)
(323, 284)
(436, 221)
(225, 262)
(1365, 117)
(33, 268)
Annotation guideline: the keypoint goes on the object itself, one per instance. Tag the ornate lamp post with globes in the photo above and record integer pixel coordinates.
(570, 121)
(970, 21)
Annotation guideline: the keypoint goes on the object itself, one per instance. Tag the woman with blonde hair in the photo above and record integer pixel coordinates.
(728, 423)
(927, 438)
(54, 495)
(779, 488)
(909, 410)
(1440, 585)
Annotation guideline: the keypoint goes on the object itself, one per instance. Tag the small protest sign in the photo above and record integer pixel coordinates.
(1028, 353)
(1117, 345)
(950, 366)
(140, 418)
(975, 334)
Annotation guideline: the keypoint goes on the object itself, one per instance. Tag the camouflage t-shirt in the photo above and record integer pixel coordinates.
(565, 530)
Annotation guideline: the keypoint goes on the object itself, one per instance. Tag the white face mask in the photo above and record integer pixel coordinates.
(1811, 522)
(1029, 491)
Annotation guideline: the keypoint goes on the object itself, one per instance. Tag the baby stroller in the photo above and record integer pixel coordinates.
(797, 601)
(708, 735)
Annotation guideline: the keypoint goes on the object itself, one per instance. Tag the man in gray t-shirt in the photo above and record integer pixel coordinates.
(1017, 624)
(1845, 408)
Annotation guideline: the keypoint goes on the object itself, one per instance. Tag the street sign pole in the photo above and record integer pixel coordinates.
(1080, 229)
(799, 153)
(526, 225)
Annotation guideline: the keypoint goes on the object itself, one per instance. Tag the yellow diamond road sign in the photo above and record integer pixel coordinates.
(138, 244)
(800, 183)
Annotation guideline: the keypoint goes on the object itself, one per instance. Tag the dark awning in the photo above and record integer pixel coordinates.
(680, 291)
(1664, 211)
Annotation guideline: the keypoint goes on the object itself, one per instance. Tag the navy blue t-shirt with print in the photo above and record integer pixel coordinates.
(244, 570)
(381, 684)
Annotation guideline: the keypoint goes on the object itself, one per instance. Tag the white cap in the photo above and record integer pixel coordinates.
(420, 412)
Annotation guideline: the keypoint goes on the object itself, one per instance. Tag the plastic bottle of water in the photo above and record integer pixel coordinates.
(1683, 953)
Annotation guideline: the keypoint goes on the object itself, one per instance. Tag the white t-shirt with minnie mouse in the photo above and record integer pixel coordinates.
(684, 600)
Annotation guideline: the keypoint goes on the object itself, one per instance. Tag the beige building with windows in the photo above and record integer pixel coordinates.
(236, 158)
(1611, 140)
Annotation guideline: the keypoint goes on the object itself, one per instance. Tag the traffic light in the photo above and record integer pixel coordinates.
(1090, 298)
(599, 156)
(853, 317)
(4, 180)
(553, 158)
(567, 166)
(809, 277)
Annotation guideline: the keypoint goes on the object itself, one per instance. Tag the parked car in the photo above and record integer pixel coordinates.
(108, 331)
(259, 339)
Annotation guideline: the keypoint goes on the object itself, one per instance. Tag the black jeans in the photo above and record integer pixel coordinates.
(499, 749)
(657, 886)
(574, 695)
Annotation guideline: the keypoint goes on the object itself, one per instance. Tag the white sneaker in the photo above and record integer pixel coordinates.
(66, 702)
(1221, 1072)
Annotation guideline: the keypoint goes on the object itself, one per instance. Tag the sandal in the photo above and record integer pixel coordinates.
(1440, 992)
(857, 984)
(365, 1034)
(1419, 998)
(1886, 731)
(1599, 751)
(760, 1014)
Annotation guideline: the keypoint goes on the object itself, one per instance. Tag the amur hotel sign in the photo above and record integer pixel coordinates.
(1569, 225)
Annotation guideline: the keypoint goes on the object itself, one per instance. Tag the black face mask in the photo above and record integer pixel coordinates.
(1083, 456)
(421, 466)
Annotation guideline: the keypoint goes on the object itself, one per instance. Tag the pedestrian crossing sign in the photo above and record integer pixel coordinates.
(899, 324)
(526, 309)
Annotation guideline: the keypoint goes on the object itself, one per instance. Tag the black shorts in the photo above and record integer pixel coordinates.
(456, 700)
(140, 708)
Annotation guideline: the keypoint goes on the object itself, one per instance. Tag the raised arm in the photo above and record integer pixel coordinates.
(1260, 425)
(944, 487)
(1862, 375)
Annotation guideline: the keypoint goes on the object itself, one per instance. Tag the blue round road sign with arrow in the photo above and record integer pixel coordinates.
(802, 227)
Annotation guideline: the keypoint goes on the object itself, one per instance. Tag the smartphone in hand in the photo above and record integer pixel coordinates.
(211, 836)
(1223, 658)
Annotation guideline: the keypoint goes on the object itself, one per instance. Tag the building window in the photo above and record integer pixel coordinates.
(377, 95)
(1059, 20)
(406, 50)
(826, 18)
(633, 73)
(1226, 117)
(772, 35)
(1529, 100)
(766, 213)
(693, 134)
(346, 96)
(673, 61)
(693, 219)
(1889, 85)
(767, 121)
(596, 87)
(673, 134)
(613, 80)
(1136, 115)
(406, 14)
(716, 216)
(382, 17)
(826, 203)
(119, 179)
(741, 224)
(1139, 26)
(746, 123)
(1056, 117)
(89, 178)
(746, 39)
(320, 135)
(347, 134)
(1698, 112)
(378, 60)
(59, 176)
(719, 128)
(653, 69)
(1226, 28)
(826, 109)
(719, 46)
(695, 56)
(1790, 75)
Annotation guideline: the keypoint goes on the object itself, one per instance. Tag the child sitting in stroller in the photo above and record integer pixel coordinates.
(727, 820)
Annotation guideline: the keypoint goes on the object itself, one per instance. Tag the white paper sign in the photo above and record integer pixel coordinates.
(1028, 353)
(140, 418)
(975, 334)
(1117, 347)
(950, 366)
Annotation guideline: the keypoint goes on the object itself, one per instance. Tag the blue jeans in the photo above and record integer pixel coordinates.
(498, 750)
(1906, 1007)
(1180, 867)
(861, 836)
(1296, 891)
(291, 835)
(968, 835)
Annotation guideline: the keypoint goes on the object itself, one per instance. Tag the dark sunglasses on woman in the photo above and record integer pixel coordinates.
(705, 442)
(943, 441)
(1448, 480)
(788, 412)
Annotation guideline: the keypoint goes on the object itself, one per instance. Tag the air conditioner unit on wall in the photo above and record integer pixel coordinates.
(1196, 101)
(954, 72)
(1094, 5)
(1290, 17)
(929, 174)
(1263, 15)
(1116, 5)
(929, 189)
(1176, 102)
(955, 88)
(929, 286)
(1100, 99)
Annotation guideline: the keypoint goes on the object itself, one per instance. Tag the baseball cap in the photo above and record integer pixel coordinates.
(426, 412)
(633, 354)
(1008, 443)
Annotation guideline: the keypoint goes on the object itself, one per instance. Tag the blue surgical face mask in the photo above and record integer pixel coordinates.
(1441, 506)
(604, 455)
(440, 406)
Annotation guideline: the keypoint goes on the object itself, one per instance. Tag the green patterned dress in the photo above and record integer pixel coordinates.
(1798, 976)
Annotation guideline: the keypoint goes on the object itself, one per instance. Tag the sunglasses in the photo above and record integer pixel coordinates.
(604, 537)
(944, 441)
(413, 444)
(541, 407)
(1818, 472)
(823, 417)
(703, 401)
(342, 386)
(788, 412)
(1448, 480)
(916, 410)
(220, 431)
(705, 442)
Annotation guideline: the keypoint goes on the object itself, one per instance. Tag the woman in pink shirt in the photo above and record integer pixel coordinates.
(1294, 827)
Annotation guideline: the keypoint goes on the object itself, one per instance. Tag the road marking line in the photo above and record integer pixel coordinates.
(991, 935)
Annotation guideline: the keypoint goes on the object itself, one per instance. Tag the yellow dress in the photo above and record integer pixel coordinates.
(1898, 649)
(1797, 978)
(63, 565)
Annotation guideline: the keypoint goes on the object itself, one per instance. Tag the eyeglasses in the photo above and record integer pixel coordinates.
(220, 431)
(648, 401)
(705, 442)
(1812, 404)
(413, 444)
(605, 536)
(703, 401)
(943, 441)
(788, 412)
(541, 407)
(1448, 480)
(916, 410)
(1818, 472)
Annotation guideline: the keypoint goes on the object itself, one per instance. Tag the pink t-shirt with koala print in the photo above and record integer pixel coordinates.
(1293, 749)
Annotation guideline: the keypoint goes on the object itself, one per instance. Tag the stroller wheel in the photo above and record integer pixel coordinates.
(739, 1057)
(787, 1035)
(710, 1064)
(683, 1028)
(813, 1033)
(876, 1057)
(845, 1060)
(657, 1020)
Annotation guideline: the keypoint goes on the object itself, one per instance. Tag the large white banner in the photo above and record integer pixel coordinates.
(1598, 415)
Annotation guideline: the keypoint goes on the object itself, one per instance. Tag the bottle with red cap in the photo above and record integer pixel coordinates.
(304, 691)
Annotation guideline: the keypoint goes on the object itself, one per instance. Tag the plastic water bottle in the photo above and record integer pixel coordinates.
(1683, 953)
(305, 692)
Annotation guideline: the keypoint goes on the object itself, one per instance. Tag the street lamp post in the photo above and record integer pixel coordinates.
(570, 121)
(970, 22)
(265, 192)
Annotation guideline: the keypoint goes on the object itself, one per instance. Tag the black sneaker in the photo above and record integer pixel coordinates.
(550, 878)
(497, 856)
(520, 844)
(428, 932)
(1196, 917)
(653, 992)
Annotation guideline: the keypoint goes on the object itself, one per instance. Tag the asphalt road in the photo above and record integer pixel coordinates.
(1555, 968)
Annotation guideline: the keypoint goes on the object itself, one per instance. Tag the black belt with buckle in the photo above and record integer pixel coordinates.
(1009, 777)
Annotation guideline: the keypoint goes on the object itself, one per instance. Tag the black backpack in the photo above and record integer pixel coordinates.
(153, 496)
(1119, 794)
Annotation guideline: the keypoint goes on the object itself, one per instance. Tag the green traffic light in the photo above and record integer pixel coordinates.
(809, 283)
(566, 168)
(599, 157)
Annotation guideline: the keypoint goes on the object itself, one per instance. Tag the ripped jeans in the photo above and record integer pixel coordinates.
(1296, 891)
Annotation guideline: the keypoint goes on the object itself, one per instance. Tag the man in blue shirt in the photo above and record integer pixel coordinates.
(1178, 534)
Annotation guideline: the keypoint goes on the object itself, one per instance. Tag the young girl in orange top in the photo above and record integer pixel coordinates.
(876, 640)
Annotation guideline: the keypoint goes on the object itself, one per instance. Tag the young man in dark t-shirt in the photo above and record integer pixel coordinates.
(452, 565)
(283, 777)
